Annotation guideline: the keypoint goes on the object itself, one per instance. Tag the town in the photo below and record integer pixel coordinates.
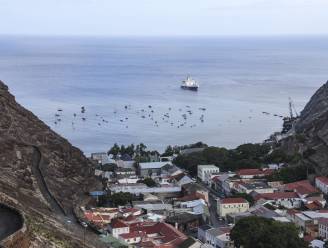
(149, 201)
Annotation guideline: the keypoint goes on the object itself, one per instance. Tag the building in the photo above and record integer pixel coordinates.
(101, 158)
(303, 188)
(253, 173)
(323, 228)
(153, 169)
(204, 172)
(285, 199)
(316, 243)
(185, 222)
(195, 188)
(253, 185)
(215, 237)
(118, 227)
(140, 188)
(231, 205)
(147, 234)
(202, 233)
(321, 183)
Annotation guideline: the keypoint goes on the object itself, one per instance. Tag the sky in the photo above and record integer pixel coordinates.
(163, 17)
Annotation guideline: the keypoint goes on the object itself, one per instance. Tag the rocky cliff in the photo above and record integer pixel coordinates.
(311, 133)
(41, 171)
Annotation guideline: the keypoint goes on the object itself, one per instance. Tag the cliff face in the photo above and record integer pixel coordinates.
(311, 129)
(39, 169)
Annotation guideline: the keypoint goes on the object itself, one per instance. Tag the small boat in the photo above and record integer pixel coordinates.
(189, 84)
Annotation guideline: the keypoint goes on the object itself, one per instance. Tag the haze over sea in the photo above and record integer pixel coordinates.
(239, 79)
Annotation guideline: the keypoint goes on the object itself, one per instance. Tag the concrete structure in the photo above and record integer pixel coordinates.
(204, 172)
(152, 169)
(321, 183)
(140, 188)
(231, 205)
(285, 199)
(253, 185)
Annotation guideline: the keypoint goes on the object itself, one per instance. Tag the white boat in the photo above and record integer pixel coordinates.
(189, 84)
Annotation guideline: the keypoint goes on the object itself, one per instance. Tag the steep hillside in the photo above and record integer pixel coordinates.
(311, 133)
(43, 174)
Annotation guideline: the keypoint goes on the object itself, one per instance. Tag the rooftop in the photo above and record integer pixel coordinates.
(323, 180)
(301, 187)
(154, 165)
(276, 195)
(254, 172)
(233, 200)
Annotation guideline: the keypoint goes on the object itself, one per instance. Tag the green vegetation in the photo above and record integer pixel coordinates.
(291, 174)
(244, 156)
(148, 181)
(37, 228)
(121, 198)
(258, 232)
(170, 150)
(138, 152)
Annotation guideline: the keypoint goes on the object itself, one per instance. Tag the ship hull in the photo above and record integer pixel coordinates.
(193, 88)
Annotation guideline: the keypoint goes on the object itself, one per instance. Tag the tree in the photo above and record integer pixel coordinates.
(121, 198)
(149, 182)
(115, 150)
(258, 232)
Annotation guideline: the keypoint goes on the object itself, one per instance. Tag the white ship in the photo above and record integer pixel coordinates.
(189, 84)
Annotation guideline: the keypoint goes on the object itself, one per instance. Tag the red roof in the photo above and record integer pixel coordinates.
(132, 235)
(254, 172)
(117, 223)
(233, 200)
(276, 196)
(323, 221)
(322, 180)
(302, 187)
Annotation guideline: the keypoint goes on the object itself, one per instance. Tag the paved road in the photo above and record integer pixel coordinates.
(10, 222)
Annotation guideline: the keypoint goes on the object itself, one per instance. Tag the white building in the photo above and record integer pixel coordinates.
(322, 184)
(323, 228)
(118, 227)
(231, 205)
(140, 188)
(316, 243)
(204, 172)
(151, 169)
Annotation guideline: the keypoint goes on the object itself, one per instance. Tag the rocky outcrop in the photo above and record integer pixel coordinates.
(41, 170)
(311, 133)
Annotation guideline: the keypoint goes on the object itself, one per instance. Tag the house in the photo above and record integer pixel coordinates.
(202, 232)
(125, 161)
(185, 221)
(204, 172)
(284, 199)
(303, 188)
(126, 212)
(231, 205)
(140, 188)
(180, 179)
(215, 237)
(153, 169)
(247, 187)
(316, 243)
(220, 237)
(148, 234)
(195, 188)
(321, 183)
(323, 228)
(101, 158)
(252, 173)
(118, 227)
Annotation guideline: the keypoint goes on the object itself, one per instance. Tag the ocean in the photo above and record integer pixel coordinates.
(130, 86)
